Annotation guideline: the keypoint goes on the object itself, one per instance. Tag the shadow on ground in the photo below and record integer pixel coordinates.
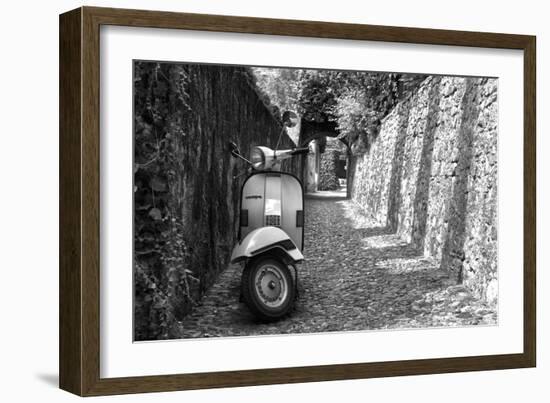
(49, 379)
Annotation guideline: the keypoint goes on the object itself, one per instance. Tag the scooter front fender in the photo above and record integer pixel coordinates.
(266, 239)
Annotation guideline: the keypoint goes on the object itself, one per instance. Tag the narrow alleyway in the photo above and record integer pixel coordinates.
(355, 277)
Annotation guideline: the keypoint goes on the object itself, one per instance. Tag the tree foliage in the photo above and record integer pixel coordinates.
(280, 87)
(356, 100)
(317, 96)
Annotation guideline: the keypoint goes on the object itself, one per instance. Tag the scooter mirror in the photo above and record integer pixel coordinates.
(290, 119)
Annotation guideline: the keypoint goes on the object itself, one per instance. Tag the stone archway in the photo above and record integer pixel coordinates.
(310, 131)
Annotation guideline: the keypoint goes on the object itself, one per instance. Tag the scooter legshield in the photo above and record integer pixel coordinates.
(264, 239)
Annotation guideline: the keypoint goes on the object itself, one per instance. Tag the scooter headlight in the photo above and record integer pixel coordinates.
(257, 158)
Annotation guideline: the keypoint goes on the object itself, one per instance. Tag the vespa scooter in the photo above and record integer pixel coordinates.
(271, 230)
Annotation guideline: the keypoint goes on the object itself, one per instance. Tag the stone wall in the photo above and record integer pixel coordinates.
(431, 176)
(371, 186)
(224, 107)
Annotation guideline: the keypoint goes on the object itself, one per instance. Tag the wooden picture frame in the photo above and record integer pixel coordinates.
(79, 347)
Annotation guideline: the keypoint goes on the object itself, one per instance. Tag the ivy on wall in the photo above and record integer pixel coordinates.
(328, 170)
(162, 289)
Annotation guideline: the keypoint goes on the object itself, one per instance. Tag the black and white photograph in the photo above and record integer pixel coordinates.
(270, 200)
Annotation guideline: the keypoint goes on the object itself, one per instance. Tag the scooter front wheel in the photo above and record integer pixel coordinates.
(268, 288)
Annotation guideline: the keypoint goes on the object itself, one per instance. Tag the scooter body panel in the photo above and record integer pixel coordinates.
(263, 240)
(272, 198)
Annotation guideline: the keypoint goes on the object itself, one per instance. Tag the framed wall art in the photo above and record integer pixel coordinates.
(249, 201)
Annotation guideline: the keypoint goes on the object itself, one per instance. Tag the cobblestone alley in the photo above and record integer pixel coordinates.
(355, 277)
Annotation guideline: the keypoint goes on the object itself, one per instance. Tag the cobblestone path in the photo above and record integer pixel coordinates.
(355, 277)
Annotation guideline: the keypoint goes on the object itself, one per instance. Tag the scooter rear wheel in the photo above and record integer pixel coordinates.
(268, 288)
